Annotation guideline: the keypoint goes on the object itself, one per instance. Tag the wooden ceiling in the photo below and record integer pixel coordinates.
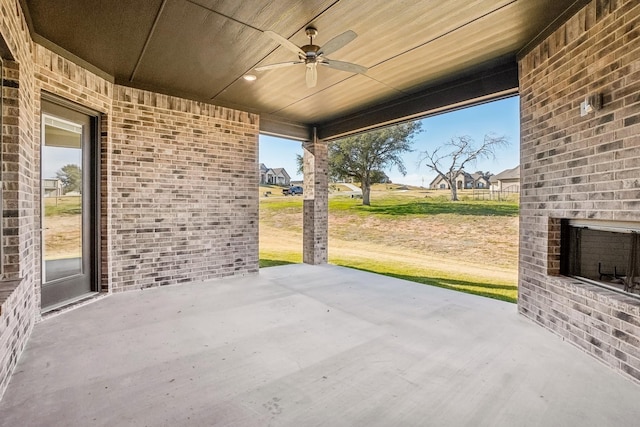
(422, 55)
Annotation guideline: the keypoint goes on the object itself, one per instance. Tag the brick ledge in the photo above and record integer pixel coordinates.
(6, 289)
(599, 293)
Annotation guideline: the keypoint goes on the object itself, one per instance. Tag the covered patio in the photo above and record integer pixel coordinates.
(304, 345)
(165, 101)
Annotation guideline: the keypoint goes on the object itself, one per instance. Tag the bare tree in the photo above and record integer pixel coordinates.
(450, 159)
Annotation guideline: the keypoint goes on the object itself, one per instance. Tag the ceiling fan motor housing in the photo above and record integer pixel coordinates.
(311, 51)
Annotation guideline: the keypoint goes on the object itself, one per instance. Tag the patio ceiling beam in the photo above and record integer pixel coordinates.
(277, 126)
(494, 82)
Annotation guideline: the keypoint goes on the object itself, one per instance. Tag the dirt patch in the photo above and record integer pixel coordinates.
(63, 236)
(485, 246)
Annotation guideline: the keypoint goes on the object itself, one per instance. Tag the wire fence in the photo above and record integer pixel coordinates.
(500, 195)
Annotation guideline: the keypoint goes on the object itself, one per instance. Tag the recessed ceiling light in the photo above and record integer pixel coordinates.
(249, 77)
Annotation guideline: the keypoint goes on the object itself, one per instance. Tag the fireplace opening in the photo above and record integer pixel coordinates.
(602, 252)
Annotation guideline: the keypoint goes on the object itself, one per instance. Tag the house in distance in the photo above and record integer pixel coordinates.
(275, 176)
(464, 180)
(507, 180)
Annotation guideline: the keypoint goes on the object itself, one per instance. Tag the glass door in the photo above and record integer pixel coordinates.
(67, 195)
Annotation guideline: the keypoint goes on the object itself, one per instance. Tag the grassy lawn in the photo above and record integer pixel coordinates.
(413, 234)
(65, 205)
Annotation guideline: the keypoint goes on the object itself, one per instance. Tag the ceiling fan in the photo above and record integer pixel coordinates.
(311, 55)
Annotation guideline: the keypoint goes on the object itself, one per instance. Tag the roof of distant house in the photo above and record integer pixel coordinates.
(279, 171)
(477, 175)
(473, 176)
(513, 173)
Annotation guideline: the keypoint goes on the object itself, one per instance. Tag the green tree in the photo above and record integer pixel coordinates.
(300, 164)
(71, 177)
(450, 159)
(364, 156)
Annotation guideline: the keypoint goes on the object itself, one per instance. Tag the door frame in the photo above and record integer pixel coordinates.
(92, 215)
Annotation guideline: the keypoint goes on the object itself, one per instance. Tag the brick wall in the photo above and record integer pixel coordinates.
(184, 190)
(20, 186)
(581, 167)
(10, 169)
(17, 300)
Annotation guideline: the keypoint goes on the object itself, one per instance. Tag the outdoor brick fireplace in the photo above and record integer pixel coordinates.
(580, 183)
(604, 253)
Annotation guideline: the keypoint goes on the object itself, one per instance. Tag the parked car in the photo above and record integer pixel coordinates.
(292, 191)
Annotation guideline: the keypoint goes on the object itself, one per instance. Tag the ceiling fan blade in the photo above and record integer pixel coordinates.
(344, 66)
(338, 42)
(278, 65)
(312, 75)
(285, 43)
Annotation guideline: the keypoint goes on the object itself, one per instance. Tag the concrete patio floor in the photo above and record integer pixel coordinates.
(304, 345)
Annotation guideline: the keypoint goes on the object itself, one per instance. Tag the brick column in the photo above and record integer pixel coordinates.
(316, 202)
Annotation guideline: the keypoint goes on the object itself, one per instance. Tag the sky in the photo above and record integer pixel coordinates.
(54, 158)
(501, 118)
